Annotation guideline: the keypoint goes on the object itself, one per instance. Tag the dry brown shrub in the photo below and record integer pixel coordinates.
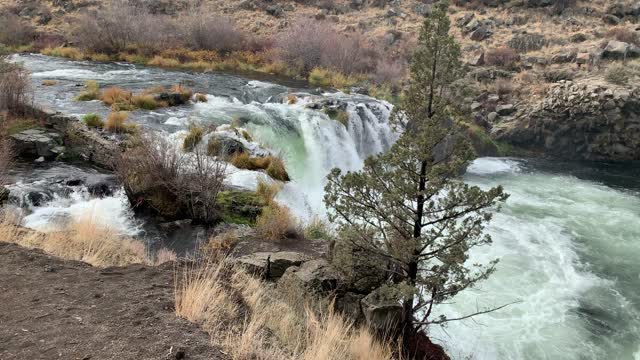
(311, 44)
(276, 223)
(503, 57)
(14, 31)
(203, 31)
(623, 34)
(15, 89)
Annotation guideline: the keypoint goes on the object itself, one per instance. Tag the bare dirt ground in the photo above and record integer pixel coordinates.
(56, 309)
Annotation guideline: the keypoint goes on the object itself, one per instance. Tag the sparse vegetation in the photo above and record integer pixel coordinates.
(91, 91)
(617, 74)
(276, 223)
(274, 166)
(15, 88)
(93, 120)
(193, 138)
(85, 240)
(503, 57)
(116, 122)
(272, 324)
(163, 180)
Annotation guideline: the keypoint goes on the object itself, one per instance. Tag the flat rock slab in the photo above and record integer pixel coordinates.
(56, 309)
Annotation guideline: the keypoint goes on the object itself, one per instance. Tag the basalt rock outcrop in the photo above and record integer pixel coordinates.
(578, 120)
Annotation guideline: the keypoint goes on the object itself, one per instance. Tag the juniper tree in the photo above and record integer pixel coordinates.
(407, 210)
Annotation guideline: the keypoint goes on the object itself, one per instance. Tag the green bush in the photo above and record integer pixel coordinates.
(93, 120)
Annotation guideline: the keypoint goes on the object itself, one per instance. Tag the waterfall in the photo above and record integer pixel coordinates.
(310, 142)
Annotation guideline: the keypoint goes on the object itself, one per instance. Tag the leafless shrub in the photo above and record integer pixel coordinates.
(15, 88)
(160, 178)
(503, 57)
(625, 35)
(347, 54)
(389, 72)
(560, 5)
(202, 31)
(503, 87)
(307, 45)
(120, 25)
(6, 160)
(14, 31)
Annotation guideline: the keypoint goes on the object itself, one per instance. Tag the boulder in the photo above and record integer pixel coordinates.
(611, 19)
(465, 19)
(275, 10)
(563, 58)
(481, 33)
(349, 305)
(619, 50)
(35, 143)
(224, 146)
(477, 58)
(504, 110)
(315, 275)
(578, 38)
(271, 265)
(472, 25)
(172, 98)
(382, 309)
(583, 58)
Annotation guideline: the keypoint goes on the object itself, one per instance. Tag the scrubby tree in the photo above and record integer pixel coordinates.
(408, 211)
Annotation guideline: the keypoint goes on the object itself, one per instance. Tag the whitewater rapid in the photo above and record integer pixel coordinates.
(568, 244)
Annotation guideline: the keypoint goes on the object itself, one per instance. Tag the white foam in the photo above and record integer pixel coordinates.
(487, 165)
(112, 212)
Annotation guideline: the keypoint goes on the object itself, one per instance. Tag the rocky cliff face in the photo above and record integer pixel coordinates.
(579, 120)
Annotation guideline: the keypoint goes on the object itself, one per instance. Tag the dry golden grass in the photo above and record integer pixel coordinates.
(273, 165)
(83, 240)
(274, 324)
(276, 223)
(113, 95)
(116, 122)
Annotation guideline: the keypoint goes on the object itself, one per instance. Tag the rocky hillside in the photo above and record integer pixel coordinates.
(529, 60)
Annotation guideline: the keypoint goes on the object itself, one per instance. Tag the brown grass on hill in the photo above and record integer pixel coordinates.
(623, 34)
(273, 324)
(503, 57)
(84, 240)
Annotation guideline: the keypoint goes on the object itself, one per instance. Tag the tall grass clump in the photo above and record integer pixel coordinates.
(273, 165)
(116, 122)
(91, 91)
(93, 120)
(193, 138)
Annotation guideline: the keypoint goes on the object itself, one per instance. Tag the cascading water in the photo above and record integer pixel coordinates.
(569, 243)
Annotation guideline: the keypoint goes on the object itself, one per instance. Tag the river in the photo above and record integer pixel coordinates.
(568, 238)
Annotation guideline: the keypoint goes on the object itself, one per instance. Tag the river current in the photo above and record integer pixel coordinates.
(568, 238)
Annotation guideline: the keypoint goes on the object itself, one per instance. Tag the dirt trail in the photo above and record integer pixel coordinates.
(56, 309)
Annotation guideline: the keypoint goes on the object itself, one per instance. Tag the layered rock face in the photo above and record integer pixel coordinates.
(579, 120)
